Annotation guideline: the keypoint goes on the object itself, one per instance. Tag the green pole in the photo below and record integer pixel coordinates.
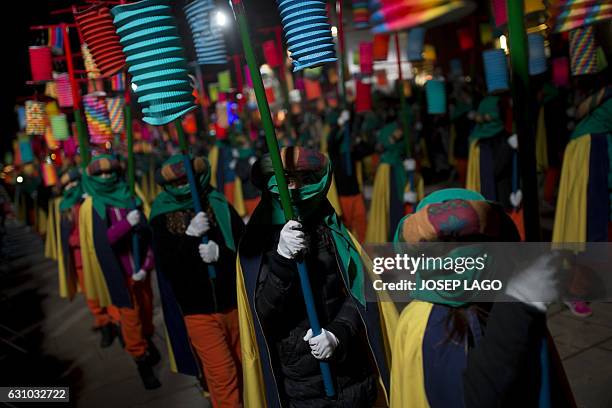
(519, 58)
(82, 136)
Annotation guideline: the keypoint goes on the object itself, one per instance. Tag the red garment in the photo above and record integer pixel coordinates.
(216, 339)
(354, 214)
(250, 204)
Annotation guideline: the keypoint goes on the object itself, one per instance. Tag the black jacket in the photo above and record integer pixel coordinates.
(178, 258)
(280, 307)
(346, 184)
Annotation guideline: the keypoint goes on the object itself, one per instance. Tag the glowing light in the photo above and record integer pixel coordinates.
(221, 19)
(503, 43)
(53, 156)
(134, 87)
(19, 179)
(334, 31)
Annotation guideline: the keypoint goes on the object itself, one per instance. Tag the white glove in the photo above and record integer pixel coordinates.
(292, 240)
(209, 252)
(84, 196)
(198, 225)
(139, 276)
(513, 141)
(322, 346)
(516, 198)
(133, 217)
(232, 164)
(344, 116)
(409, 164)
(252, 160)
(235, 153)
(536, 285)
(410, 197)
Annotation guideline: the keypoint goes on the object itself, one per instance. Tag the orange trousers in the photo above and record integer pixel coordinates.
(216, 340)
(137, 321)
(354, 214)
(251, 204)
(102, 315)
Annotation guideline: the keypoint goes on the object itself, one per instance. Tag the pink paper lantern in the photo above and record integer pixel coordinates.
(560, 71)
(366, 57)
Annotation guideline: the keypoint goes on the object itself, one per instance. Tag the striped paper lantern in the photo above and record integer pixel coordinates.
(537, 54)
(98, 121)
(206, 33)
(93, 72)
(583, 51)
(435, 91)
(496, 70)
(118, 82)
(98, 32)
(25, 150)
(41, 63)
(156, 60)
(59, 126)
(115, 108)
(21, 116)
(36, 117)
(64, 91)
(307, 32)
(361, 14)
(416, 41)
(49, 174)
(568, 15)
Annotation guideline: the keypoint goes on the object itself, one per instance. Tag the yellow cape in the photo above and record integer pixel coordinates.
(51, 236)
(473, 167)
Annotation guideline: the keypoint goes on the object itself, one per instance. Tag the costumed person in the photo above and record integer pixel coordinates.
(451, 351)
(584, 203)
(70, 263)
(244, 156)
(107, 221)
(280, 354)
(397, 186)
(461, 119)
(199, 309)
(344, 156)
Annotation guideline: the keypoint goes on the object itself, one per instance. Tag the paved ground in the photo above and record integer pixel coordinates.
(45, 340)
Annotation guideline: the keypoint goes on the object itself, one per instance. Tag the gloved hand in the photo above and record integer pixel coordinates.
(516, 198)
(292, 240)
(209, 252)
(536, 285)
(322, 346)
(410, 197)
(252, 160)
(409, 164)
(513, 141)
(139, 276)
(232, 164)
(199, 225)
(133, 217)
(344, 116)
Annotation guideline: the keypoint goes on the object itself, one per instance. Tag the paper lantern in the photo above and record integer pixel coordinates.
(156, 60)
(41, 63)
(93, 72)
(50, 141)
(213, 92)
(51, 108)
(361, 14)
(118, 82)
(49, 174)
(381, 78)
(496, 70)
(366, 50)
(21, 116)
(313, 89)
(583, 51)
(499, 9)
(59, 126)
(98, 32)
(64, 91)
(416, 41)
(537, 54)
(271, 54)
(486, 33)
(224, 79)
(26, 153)
(70, 147)
(560, 71)
(381, 47)
(363, 100)
(96, 115)
(36, 117)
(436, 97)
(116, 107)
(206, 33)
(466, 40)
(569, 15)
(307, 32)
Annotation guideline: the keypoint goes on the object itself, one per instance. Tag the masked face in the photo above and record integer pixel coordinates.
(70, 185)
(106, 175)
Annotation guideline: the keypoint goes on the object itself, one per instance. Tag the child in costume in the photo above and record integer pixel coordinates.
(199, 309)
(108, 220)
(70, 263)
(450, 352)
(280, 353)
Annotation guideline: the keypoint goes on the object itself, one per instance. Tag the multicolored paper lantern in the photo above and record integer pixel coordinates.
(98, 32)
(41, 63)
(361, 14)
(59, 126)
(583, 51)
(116, 106)
(496, 70)
(206, 33)
(307, 32)
(98, 121)
(568, 15)
(156, 60)
(435, 91)
(118, 82)
(93, 72)
(64, 91)
(36, 116)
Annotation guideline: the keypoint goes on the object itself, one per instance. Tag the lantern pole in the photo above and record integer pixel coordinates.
(519, 58)
(402, 96)
(343, 105)
(277, 164)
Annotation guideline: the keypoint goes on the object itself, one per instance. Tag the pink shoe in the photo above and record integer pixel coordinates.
(579, 308)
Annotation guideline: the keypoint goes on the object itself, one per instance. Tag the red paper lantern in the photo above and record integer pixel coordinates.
(271, 54)
(381, 47)
(98, 32)
(466, 40)
(363, 100)
(313, 89)
(41, 63)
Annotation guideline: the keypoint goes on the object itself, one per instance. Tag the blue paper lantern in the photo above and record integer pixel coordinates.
(207, 34)
(25, 150)
(435, 91)
(307, 32)
(156, 60)
(537, 54)
(496, 70)
(416, 41)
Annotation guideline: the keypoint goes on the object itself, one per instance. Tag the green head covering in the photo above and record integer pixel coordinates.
(488, 128)
(107, 191)
(598, 121)
(308, 199)
(74, 194)
(392, 155)
(178, 198)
